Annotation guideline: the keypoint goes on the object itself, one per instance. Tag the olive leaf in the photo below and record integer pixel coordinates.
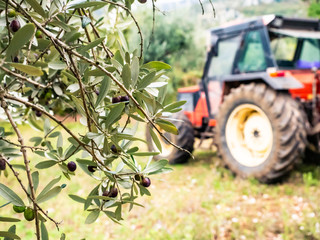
(10, 195)
(44, 232)
(92, 217)
(37, 7)
(30, 70)
(157, 65)
(9, 235)
(8, 219)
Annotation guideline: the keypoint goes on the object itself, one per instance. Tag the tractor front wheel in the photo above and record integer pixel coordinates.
(260, 132)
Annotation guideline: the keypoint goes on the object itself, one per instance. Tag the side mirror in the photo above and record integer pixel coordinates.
(214, 45)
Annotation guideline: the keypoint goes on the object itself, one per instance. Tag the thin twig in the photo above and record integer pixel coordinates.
(7, 22)
(76, 73)
(30, 45)
(54, 15)
(201, 7)
(126, 124)
(16, 174)
(88, 36)
(153, 23)
(213, 8)
(18, 145)
(71, 154)
(48, 47)
(58, 125)
(135, 21)
(95, 31)
(26, 163)
(82, 93)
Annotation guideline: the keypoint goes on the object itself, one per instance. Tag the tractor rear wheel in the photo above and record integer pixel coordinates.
(185, 139)
(260, 132)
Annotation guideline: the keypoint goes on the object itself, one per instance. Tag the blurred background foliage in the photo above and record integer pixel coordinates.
(176, 40)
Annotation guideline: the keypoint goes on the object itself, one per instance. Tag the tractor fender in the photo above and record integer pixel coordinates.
(277, 83)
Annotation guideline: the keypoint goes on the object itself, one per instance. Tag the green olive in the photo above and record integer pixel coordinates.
(29, 214)
(11, 13)
(19, 209)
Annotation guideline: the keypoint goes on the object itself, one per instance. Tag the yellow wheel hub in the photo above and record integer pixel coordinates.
(249, 135)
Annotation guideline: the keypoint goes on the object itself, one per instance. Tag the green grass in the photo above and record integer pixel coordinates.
(200, 200)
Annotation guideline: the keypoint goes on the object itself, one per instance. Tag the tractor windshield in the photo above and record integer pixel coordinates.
(295, 49)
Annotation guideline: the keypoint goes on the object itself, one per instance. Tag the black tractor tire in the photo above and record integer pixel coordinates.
(270, 128)
(185, 139)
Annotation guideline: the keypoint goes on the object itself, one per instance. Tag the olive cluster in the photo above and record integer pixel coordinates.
(112, 192)
(118, 99)
(144, 181)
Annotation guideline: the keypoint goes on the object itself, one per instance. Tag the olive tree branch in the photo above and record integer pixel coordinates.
(88, 36)
(23, 77)
(202, 9)
(126, 124)
(28, 104)
(132, 98)
(26, 163)
(213, 8)
(107, 50)
(7, 22)
(30, 45)
(58, 43)
(153, 23)
(16, 174)
(48, 47)
(19, 145)
(82, 93)
(58, 125)
(54, 15)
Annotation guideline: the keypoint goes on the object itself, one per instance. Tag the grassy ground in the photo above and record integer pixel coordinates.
(199, 200)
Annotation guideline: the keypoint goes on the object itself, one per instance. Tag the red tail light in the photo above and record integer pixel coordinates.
(277, 74)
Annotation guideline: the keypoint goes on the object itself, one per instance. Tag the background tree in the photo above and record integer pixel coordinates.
(314, 8)
(66, 57)
(177, 40)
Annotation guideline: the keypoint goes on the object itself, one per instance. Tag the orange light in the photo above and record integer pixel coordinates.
(309, 96)
(277, 74)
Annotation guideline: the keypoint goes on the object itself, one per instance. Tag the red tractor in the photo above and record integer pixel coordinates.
(258, 98)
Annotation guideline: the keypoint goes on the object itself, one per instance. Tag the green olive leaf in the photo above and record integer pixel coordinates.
(9, 235)
(92, 217)
(10, 195)
(37, 7)
(30, 70)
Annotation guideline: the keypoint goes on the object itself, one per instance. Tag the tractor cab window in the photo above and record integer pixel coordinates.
(251, 56)
(295, 49)
(223, 63)
(284, 49)
(310, 53)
